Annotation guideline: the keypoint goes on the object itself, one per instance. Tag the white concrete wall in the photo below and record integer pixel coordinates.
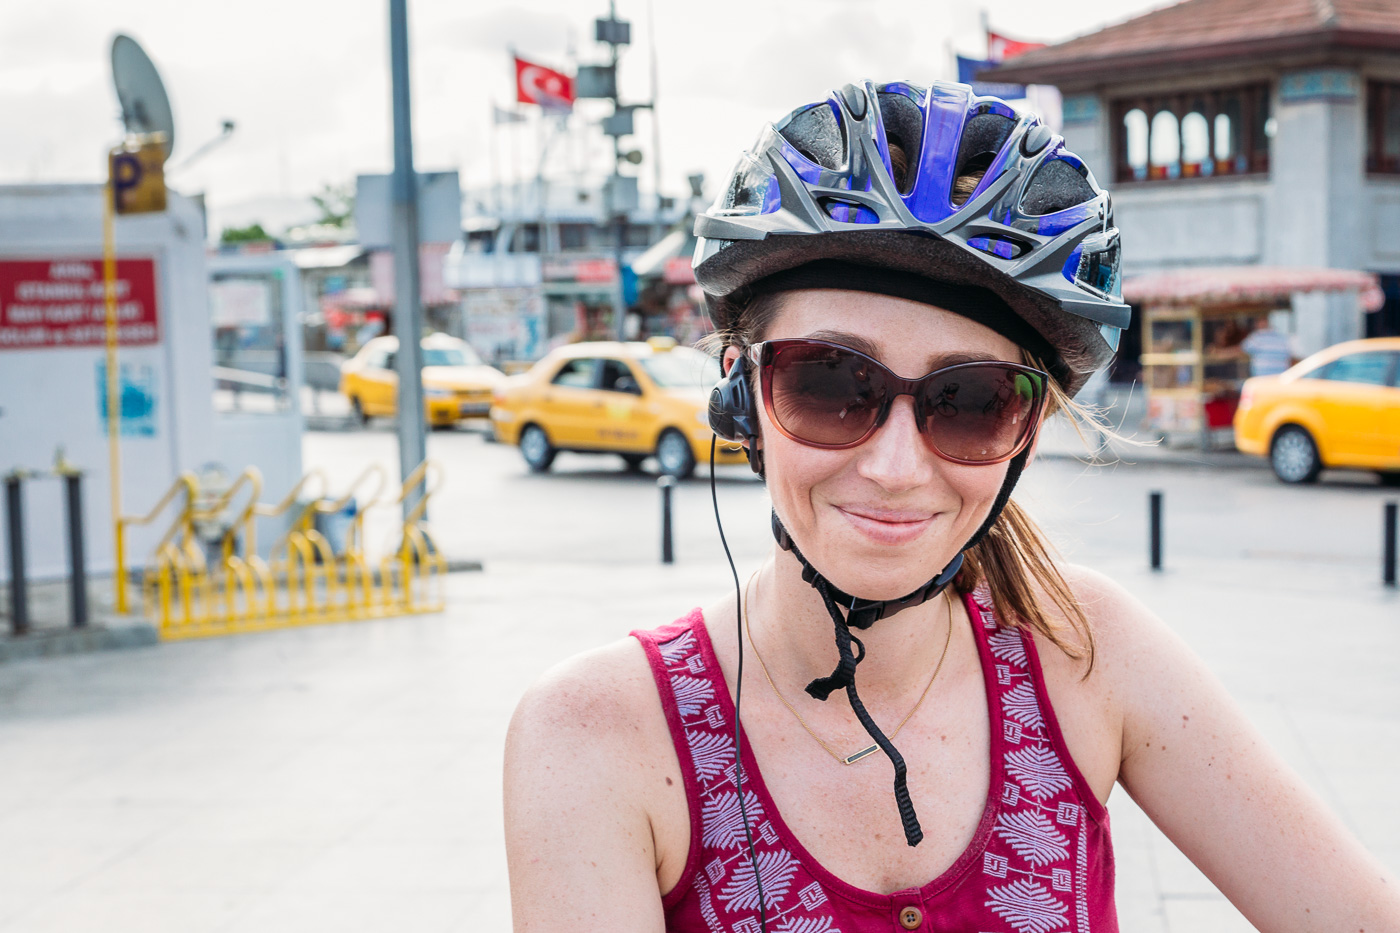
(50, 397)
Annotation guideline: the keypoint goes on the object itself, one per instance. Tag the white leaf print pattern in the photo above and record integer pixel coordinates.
(806, 924)
(711, 751)
(774, 868)
(1038, 770)
(1033, 836)
(692, 693)
(723, 821)
(1028, 907)
(1006, 644)
(677, 648)
(1020, 704)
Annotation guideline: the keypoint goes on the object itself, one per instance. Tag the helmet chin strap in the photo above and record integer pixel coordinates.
(863, 613)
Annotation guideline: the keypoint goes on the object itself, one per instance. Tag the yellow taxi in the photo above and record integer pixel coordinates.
(634, 399)
(456, 383)
(1339, 407)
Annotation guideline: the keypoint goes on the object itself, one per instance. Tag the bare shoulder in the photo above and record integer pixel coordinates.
(1098, 680)
(1125, 632)
(595, 697)
(589, 773)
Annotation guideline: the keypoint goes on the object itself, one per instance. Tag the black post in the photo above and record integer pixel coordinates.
(14, 522)
(667, 483)
(1388, 561)
(1154, 510)
(77, 565)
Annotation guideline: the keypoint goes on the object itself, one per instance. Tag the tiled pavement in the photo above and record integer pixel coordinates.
(348, 777)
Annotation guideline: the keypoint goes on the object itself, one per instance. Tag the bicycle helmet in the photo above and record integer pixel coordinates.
(929, 193)
(1036, 231)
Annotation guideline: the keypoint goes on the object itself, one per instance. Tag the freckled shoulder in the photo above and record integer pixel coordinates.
(603, 696)
(1094, 705)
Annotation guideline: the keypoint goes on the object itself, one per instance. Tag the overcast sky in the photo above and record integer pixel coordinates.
(307, 81)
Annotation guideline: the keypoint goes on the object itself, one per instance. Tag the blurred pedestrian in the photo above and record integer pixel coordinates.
(1270, 350)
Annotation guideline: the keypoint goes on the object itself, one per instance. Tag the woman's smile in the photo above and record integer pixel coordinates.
(887, 526)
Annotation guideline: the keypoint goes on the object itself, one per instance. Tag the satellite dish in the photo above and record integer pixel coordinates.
(145, 106)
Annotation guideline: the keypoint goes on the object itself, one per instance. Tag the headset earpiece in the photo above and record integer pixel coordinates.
(733, 415)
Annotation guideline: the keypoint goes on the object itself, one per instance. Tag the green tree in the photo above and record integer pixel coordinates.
(336, 203)
(253, 233)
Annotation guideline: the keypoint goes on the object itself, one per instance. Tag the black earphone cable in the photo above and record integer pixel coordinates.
(738, 697)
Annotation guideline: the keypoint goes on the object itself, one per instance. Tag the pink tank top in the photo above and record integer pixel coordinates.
(1040, 862)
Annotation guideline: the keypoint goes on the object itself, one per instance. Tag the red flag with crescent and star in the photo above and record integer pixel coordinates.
(536, 84)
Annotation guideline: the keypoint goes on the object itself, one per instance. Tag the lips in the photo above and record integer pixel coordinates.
(887, 526)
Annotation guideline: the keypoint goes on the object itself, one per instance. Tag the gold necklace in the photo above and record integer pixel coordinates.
(872, 748)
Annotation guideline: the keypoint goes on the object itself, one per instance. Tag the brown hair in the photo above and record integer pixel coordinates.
(1014, 557)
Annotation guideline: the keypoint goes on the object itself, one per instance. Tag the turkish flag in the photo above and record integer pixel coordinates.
(536, 84)
(1000, 48)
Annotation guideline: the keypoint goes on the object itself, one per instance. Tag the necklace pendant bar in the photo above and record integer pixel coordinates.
(863, 753)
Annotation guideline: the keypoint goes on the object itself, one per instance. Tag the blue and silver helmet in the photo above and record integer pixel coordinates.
(1028, 222)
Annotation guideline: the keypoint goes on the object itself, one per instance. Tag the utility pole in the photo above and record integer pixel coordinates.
(413, 448)
(600, 82)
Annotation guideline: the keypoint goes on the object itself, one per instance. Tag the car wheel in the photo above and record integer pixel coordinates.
(536, 448)
(634, 462)
(357, 411)
(1293, 455)
(673, 454)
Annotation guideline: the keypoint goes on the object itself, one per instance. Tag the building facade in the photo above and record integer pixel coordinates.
(1239, 133)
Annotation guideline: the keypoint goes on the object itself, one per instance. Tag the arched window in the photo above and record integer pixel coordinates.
(1195, 145)
(1165, 146)
(1135, 137)
(1224, 137)
(1224, 131)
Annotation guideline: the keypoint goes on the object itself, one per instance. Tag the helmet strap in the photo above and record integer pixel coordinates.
(863, 613)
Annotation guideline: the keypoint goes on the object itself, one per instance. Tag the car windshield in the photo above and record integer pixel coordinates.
(450, 356)
(682, 368)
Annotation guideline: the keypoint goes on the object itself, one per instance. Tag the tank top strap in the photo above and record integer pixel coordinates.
(1027, 741)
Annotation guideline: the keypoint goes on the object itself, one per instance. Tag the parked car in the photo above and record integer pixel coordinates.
(456, 383)
(632, 399)
(1339, 407)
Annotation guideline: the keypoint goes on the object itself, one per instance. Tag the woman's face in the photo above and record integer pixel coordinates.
(883, 518)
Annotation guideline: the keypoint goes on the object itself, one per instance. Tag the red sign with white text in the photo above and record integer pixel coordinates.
(60, 303)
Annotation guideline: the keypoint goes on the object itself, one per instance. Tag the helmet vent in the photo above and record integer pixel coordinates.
(1056, 185)
(815, 133)
(904, 127)
(983, 136)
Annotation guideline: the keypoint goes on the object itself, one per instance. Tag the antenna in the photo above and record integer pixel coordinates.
(145, 105)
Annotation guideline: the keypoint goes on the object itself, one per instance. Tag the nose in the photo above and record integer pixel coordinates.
(896, 456)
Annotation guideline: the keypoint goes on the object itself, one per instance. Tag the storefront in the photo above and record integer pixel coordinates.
(1197, 345)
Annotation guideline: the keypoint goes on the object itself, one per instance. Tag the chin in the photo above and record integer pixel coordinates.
(876, 576)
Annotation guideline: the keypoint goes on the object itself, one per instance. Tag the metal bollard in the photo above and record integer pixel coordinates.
(77, 562)
(1154, 528)
(14, 524)
(666, 485)
(1388, 550)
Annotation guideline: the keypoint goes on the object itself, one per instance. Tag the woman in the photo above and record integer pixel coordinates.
(903, 281)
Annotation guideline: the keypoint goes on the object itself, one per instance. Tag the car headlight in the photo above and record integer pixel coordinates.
(433, 392)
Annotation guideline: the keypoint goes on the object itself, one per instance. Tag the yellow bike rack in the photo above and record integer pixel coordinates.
(304, 580)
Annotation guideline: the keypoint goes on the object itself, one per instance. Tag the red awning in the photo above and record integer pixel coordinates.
(1229, 285)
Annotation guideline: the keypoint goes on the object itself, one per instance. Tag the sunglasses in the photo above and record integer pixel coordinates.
(825, 395)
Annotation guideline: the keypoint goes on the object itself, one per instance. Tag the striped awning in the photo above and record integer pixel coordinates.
(1233, 285)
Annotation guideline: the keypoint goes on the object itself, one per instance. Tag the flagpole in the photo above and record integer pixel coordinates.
(496, 156)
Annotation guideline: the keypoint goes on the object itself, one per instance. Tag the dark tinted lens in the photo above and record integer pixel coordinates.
(824, 395)
(978, 413)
